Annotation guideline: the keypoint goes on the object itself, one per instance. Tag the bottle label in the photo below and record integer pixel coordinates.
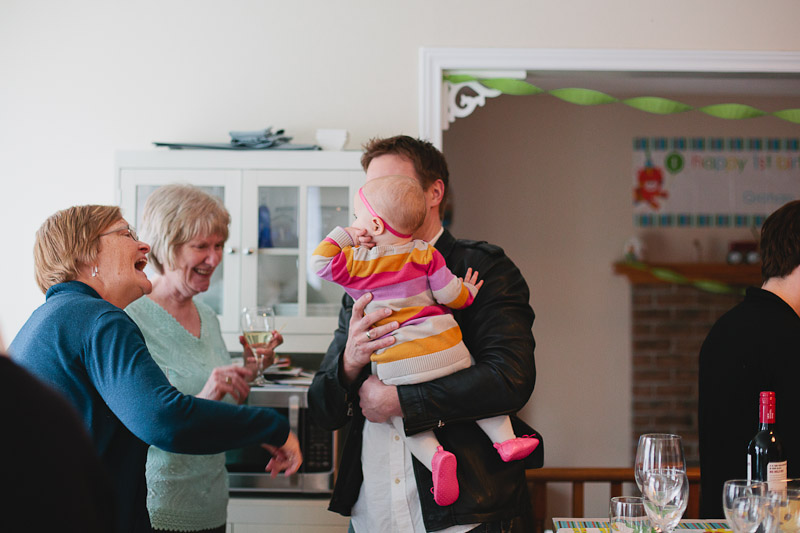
(776, 474)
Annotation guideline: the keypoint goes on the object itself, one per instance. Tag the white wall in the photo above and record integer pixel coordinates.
(81, 79)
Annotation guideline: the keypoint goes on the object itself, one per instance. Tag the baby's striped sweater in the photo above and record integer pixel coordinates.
(413, 280)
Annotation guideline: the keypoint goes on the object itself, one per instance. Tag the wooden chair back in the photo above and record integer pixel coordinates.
(539, 478)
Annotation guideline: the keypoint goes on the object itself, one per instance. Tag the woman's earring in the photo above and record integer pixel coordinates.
(94, 271)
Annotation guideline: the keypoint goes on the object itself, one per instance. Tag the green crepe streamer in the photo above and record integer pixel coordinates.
(459, 78)
(670, 276)
(649, 104)
(514, 87)
(716, 287)
(659, 106)
(792, 115)
(732, 111)
(583, 96)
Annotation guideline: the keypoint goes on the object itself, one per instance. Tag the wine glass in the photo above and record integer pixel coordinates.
(734, 489)
(657, 451)
(626, 514)
(257, 325)
(787, 505)
(666, 495)
(752, 513)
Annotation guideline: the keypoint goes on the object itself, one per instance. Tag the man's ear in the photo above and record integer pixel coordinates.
(377, 226)
(435, 193)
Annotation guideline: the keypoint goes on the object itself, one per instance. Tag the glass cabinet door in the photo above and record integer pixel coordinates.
(222, 294)
(286, 214)
(328, 207)
(278, 237)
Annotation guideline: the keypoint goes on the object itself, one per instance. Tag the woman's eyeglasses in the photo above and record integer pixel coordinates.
(129, 230)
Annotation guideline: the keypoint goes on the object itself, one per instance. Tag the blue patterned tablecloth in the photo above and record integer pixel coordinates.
(599, 525)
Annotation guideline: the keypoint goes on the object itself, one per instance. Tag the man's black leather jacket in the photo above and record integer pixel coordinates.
(497, 330)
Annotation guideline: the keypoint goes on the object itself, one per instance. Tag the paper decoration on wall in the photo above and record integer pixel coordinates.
(712, 182)
(670, 276)
(649, 104)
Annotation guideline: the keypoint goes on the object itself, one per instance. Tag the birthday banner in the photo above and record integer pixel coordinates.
(712, 182)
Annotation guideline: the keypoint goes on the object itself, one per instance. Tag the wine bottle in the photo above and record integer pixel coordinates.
(765, 458)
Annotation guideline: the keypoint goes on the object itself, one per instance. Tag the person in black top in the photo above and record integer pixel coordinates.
(53, 478)
(753, 347)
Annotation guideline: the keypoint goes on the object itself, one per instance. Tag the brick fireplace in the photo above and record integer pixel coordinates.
(669, 323)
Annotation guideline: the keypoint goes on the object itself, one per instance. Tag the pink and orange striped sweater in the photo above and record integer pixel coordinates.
(413, 280)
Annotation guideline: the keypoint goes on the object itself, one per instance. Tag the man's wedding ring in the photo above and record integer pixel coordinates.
(368, 335)
(228, 380)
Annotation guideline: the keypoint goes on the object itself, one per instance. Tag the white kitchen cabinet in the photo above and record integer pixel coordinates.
(282, 203)
(283, 515)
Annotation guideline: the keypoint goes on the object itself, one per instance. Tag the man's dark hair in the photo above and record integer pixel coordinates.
(780, 242)
(428, 161)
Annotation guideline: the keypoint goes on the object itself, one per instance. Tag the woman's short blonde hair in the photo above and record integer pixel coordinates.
(69, 240)
(174, 215)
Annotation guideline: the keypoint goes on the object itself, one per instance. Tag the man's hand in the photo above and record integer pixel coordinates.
(287, 458)
(379, 402)
(362, 339)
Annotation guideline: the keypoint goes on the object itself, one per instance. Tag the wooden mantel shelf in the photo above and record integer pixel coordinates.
(744, 275)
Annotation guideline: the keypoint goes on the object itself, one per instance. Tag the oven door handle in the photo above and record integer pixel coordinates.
(294, 425)
(294, 414)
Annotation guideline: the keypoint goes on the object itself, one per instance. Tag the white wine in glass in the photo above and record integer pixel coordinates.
(258, 339)
(257, 326)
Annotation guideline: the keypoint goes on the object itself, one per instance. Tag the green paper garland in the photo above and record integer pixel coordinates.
(649, 104)
(670, 276)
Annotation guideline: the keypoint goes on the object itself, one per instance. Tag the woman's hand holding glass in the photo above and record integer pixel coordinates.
(260, 339)
(258, 359)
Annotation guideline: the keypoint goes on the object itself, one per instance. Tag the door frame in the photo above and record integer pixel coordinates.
(433, 62)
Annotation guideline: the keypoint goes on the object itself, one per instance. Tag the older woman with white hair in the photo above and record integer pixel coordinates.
(187, 229)
(90, 264)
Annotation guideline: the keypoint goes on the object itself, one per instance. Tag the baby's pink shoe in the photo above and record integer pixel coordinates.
(445, 482)
(518, 448)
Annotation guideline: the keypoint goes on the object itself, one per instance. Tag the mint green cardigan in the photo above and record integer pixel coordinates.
(184, 492)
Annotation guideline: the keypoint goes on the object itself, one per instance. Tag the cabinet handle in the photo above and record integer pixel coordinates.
(250, 251)
(230, 250)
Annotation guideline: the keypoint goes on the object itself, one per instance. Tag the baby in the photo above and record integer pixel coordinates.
(411, 277)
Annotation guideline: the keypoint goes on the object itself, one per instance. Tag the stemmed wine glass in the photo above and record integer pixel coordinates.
(744, 502)
(657, 451)
(257, 326)
(660, 473)
(753, 513)
(787, 505)
(666, 495)
(626, 514)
